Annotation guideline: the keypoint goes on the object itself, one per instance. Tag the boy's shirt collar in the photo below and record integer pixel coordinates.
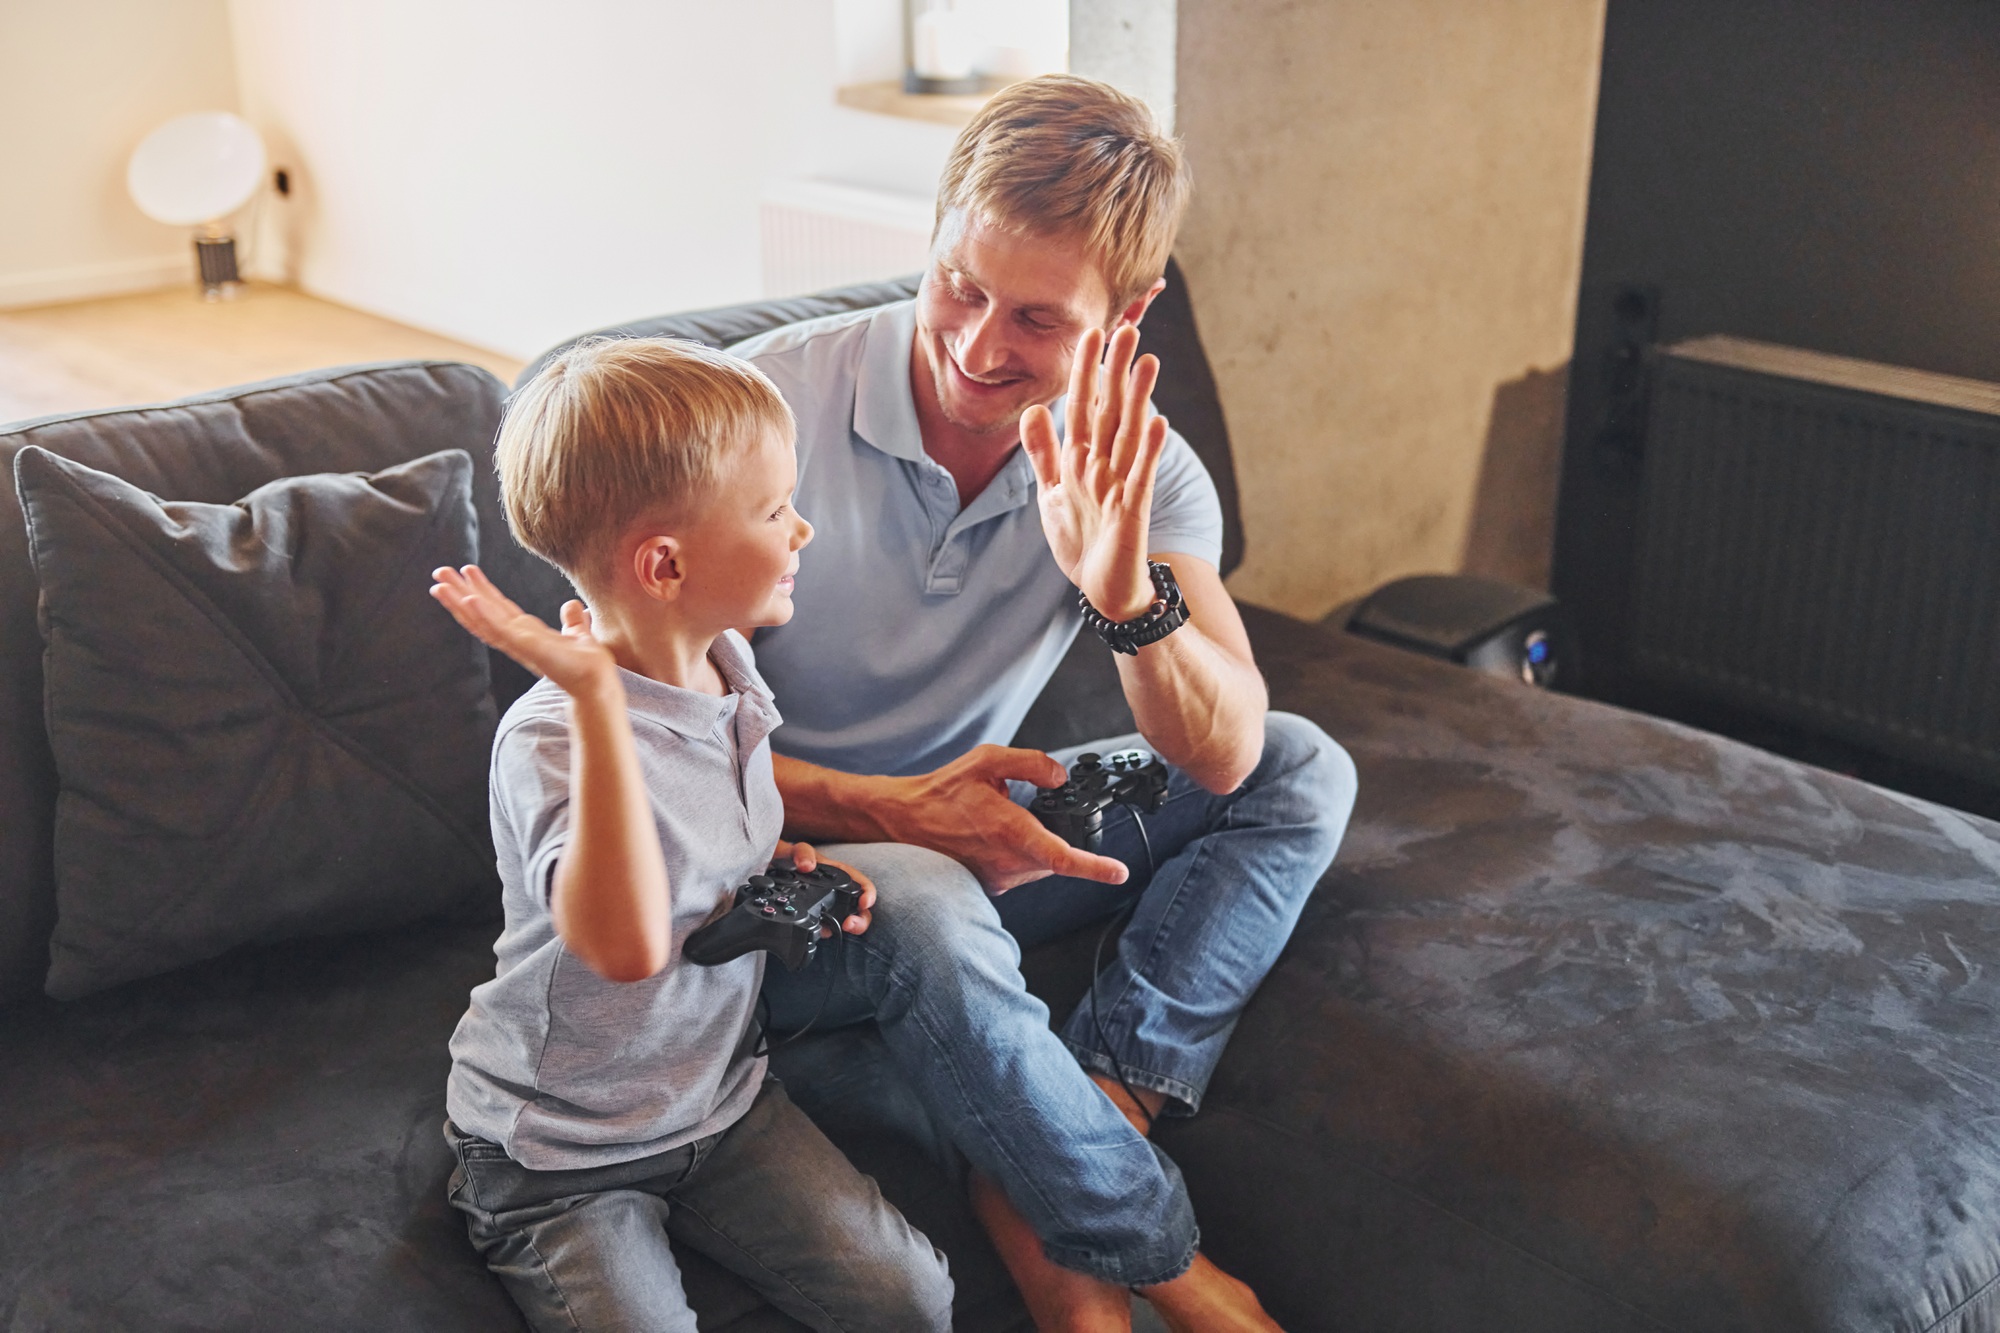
(699, 716)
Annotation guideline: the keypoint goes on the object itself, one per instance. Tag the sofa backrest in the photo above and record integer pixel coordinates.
(216, 448)
(1185, 395)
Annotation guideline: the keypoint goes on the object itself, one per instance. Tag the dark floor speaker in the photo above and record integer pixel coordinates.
(1488, 625)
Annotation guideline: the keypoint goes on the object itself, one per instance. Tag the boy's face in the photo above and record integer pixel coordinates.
(999, 316)
(741, 554)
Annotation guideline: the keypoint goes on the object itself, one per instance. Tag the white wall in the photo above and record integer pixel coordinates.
(81, 82)
(510, 172)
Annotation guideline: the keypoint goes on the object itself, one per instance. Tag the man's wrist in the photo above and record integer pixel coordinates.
(1166, 613)
(1126, 603)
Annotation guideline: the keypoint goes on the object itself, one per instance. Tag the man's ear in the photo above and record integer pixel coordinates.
(658, 564)
(1136, 311)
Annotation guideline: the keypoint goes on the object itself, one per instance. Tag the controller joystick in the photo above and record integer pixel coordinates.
(781, 912)
(1074, 811)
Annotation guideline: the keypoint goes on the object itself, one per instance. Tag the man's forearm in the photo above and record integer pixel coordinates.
(823, 804)
(1201, 707)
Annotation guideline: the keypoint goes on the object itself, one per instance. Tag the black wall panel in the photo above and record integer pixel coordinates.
(1820, 173)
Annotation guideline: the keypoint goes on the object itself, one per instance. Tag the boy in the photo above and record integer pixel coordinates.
(604, 1093)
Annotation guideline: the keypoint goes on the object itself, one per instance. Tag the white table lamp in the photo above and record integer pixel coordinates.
(194, 171)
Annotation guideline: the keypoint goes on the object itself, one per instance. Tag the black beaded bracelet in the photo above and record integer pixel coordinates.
(1167, 613)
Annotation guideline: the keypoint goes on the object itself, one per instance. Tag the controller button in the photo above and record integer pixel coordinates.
(768, 910)
(762, 882)
(791, 910)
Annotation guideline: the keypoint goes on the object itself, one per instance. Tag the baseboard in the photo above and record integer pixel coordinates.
(80, 282)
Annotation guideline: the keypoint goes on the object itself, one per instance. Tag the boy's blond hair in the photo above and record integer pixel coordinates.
(616, 428)
(1068, 156)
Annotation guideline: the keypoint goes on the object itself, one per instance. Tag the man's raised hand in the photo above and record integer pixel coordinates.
(573, 659)
(1096, 484)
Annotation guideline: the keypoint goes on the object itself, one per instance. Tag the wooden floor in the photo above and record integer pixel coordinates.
(168, 344)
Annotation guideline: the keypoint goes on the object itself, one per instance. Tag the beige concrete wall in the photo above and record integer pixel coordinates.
(1383, 250)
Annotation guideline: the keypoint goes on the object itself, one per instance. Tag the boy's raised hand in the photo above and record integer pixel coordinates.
(573, 659)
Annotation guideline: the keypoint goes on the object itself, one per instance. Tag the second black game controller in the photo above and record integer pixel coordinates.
(1074, 811)
(781, 912)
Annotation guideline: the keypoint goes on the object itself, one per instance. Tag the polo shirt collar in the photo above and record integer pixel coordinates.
(694, 714)
(884, 413)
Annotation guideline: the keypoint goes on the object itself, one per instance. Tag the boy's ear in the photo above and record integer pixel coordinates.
(658, 566)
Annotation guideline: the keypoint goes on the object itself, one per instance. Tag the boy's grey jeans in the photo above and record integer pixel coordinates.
(769, 1198)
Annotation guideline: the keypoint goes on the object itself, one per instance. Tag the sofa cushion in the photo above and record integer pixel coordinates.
(263, 726)
(1603, 1023)
(215, 448)
(256, 1143)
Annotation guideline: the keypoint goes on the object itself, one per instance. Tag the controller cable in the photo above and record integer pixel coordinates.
(1118, 920)
(762, 1013)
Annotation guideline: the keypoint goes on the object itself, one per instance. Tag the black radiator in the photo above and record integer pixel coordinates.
(1819, 543)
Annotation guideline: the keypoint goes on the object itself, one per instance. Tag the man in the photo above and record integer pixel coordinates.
(930, 616)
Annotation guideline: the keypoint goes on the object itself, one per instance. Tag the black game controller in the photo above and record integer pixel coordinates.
(780, 912)
(1074, 811)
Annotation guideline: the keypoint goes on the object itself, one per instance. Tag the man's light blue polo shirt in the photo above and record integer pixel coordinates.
(920, 630)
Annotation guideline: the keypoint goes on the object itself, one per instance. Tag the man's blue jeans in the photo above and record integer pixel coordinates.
(939, 972)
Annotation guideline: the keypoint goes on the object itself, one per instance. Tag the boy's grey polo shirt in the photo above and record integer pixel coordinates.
(918, 630)
(558, 1066)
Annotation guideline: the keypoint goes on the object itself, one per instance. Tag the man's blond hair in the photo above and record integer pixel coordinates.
(616, 428)
(1068, 156)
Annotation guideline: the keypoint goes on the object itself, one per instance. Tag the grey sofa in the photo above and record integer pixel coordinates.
(1597, 1023)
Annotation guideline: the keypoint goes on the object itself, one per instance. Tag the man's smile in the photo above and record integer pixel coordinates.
(980, 383)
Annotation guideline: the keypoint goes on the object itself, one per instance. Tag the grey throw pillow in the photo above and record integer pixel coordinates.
(263, 726)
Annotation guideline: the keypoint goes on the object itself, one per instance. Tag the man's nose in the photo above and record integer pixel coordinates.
(984, 347)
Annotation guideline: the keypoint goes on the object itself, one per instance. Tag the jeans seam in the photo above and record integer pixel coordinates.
(549, 1276)
(739, 1247)
(1168, 915)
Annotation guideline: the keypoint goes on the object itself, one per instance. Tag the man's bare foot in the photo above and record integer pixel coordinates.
(1204, 1299)
(1207, 1300)
(1060, 1301)
(1154, 1102)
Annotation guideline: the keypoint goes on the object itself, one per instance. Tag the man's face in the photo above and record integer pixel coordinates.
(999, 316)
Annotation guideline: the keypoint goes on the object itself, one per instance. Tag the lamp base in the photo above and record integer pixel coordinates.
(216, 257)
